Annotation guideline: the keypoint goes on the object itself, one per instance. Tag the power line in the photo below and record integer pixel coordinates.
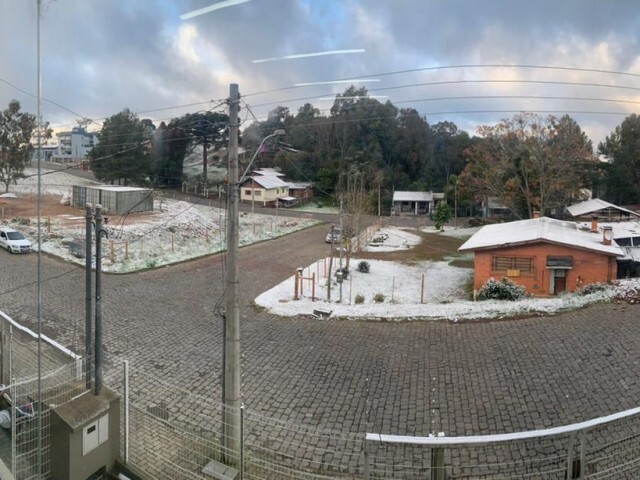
(463, 66)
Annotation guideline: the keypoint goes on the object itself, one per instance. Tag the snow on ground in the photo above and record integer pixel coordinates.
(444, 297)
(181, 231)
(52, 182)
(389, 239)
(176, 231)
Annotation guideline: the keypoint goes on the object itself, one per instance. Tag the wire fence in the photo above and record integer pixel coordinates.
(169, 432)
(176, 434)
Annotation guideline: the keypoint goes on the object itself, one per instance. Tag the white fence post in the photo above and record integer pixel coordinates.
(126, 411)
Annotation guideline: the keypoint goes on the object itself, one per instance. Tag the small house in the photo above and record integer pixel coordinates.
(544, 255)
(115, 199)
(264, 190)
(301, 191)
(605, 211)
(414, 203)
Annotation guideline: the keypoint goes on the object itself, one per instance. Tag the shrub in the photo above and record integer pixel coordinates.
(503, 290)
(378, 298)
(592, 288)
(345, 272)
(364, 267)
(151, 263)
(359, 299)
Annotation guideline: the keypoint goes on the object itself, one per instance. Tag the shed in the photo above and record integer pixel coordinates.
(115, 199)
(604, 210)
(544, 255)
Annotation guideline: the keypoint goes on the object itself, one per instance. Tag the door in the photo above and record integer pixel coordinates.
(559, 281)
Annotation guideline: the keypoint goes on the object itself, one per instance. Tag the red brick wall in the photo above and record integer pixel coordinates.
(588, 267)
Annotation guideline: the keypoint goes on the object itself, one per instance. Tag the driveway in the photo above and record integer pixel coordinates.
(478, 377)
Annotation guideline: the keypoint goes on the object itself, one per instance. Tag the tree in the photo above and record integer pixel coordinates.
(169, 149)
(622, 149)
(207, 129)
(123, 153)
(449, 144)
(441, 214)
(529, 162)
(16, 130)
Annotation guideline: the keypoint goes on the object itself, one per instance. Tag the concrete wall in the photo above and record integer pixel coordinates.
(588, 267)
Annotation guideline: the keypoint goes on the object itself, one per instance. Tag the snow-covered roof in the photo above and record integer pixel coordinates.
(116, 188)
(631, 253)
(541, 229)
(267, 181)
(299, 185)
(400, 196)
(596, 205)
(268, 172)
(620, 229)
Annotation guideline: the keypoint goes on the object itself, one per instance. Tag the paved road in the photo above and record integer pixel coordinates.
(478, 377)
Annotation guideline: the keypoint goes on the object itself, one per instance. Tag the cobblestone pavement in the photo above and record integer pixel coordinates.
(462, 379)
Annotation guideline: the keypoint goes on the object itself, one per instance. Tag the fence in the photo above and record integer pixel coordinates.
(23, 442)
(603, 448)
(174, 434)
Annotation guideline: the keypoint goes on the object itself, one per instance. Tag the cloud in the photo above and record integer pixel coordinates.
(99, 57)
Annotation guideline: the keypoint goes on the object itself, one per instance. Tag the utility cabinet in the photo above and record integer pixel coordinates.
(85, 435)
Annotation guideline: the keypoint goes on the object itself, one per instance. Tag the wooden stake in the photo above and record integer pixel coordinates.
(422, 290)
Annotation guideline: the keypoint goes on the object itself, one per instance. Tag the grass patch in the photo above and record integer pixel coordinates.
(434, 247)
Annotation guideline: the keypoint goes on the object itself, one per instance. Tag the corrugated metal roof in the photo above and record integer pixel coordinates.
(539, 230)
(268, 172)
(299, 185)
(268, 181)
(596, 205)
(412, 196)
(116, 188)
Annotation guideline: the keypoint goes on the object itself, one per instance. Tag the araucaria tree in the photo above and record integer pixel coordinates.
(123, 154)
(16, 130)
(530, 163)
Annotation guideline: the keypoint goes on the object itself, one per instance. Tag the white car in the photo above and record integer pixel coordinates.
(335, 238)
(14, 241)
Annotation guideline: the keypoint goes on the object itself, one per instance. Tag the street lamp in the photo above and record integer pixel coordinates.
(277, 132)
(231, 391)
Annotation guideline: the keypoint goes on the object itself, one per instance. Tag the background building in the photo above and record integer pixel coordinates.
(74, 145)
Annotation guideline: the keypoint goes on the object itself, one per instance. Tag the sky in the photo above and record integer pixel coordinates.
(438, 57)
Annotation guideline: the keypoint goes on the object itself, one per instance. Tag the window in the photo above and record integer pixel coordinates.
(258, 193)
(502, 264)
(247, 192)
(559, 262)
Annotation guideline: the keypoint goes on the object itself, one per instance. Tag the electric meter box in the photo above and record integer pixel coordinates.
(85, 435)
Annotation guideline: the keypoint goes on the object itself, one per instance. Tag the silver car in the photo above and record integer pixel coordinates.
(335, 238)
(14, 241)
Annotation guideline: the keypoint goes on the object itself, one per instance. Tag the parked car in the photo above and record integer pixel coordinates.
(14, 241)
(336, 236)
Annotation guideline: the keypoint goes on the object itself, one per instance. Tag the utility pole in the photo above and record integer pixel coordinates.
(98, 344)
(88, 331)
(232, 401)
(340, 246)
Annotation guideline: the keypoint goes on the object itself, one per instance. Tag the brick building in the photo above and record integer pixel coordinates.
(544, 255)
